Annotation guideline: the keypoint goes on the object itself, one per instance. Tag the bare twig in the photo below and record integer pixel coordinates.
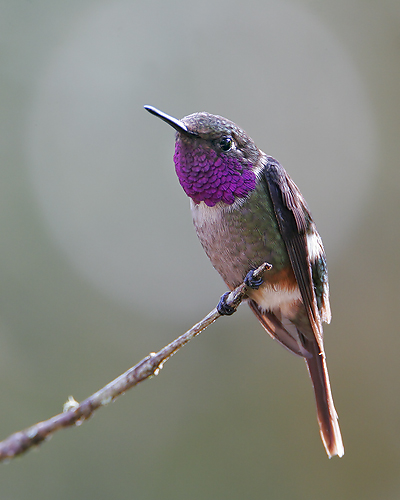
(75, 413)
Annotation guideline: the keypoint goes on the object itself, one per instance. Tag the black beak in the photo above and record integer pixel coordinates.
(174, 122)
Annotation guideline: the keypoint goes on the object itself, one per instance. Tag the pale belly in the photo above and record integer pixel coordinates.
(236, 241)
(275, 297)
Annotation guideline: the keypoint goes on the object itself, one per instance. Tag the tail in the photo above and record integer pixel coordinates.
(327, 416)
(313, 352)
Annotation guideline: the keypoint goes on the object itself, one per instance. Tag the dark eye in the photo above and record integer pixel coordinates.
(226, 143)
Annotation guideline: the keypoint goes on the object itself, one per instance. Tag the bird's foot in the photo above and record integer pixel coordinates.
(253, 282)
(223, 308)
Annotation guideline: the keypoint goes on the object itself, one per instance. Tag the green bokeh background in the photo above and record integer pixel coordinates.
(99, 264)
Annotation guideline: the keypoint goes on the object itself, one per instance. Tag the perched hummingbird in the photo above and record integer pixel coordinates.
(247, 211)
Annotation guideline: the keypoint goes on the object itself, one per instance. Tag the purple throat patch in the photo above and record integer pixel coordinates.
(207, 177)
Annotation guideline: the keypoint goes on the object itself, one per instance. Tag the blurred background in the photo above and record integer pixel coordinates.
(99, 262)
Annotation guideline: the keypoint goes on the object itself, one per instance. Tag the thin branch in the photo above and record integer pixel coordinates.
(76, 413)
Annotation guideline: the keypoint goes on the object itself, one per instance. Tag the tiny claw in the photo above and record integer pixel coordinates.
(253, 282)
(223, 308)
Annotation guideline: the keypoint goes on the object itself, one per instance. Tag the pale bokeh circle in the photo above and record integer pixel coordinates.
(102, 170)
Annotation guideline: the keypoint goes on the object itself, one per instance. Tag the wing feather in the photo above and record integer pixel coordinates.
(295, 222)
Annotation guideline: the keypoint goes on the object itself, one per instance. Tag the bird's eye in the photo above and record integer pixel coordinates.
(226, 143)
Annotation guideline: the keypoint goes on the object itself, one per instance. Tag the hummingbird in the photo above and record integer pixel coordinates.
(246, 211)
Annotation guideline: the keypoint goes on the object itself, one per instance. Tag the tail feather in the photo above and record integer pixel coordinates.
(276, 330)
(327, 416)
(309, 347)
